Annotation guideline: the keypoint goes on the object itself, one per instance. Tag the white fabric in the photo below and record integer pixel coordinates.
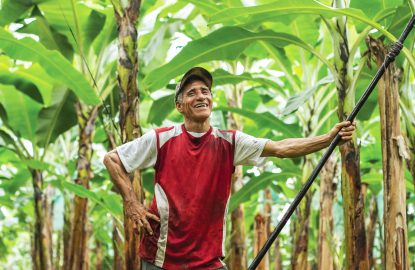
(196, 135)
(163, 209)
(167, 135)
(248, 150)
(227, 136)
(142, 152)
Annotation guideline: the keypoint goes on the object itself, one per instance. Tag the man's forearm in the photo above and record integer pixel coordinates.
(134, 209)
(119, 176)
(291, 148)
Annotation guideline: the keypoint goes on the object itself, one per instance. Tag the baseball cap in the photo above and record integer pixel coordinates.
(199, 71)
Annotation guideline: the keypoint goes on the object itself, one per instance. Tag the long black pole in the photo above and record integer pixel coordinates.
(393, 52)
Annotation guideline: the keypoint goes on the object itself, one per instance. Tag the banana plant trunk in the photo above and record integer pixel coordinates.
(118, 243)
(237, 255)
(327, 193)
(408, 116)
(371, 229)
(42, 253)
(302, 225)
(260, 237)
(127, 14)
(277, 255)
(98, 252)
(393, 148)
(353, 203)
(78, 256)
(67, 230)
(267, 217)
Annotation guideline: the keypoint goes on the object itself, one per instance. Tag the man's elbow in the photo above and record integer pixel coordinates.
(110, 157)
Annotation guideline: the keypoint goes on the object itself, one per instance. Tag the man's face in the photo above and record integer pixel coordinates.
(197, 101)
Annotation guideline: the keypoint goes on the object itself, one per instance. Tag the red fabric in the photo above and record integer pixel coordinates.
(195, 174)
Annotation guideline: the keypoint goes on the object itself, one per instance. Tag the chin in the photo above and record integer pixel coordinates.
(202, 117)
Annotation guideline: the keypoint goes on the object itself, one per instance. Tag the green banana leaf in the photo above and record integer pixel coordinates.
(52, 62)
(18, 180)
(270, 11)
(375, 181)
(266, 119)
(11, 10)
(25, 79)
(282, 7)
(371, 8)
(208, 7)
(57, 118)
(84, 193)
(226, 43)
(221, 77)
(86, 23)
(52, 40)
(160, 109)
(21, 111)
(256, 184)
(297, 100)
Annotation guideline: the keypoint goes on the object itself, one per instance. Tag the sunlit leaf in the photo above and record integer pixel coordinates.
(375, 181)
(58, 118)
(254, 185)
(52, 62)
(160, 109)
(84, 193)
(25, 79)
(297, 100)
(21, 110)
(226, 43)
(266, 119)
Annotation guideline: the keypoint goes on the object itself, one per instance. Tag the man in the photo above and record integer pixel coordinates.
(185, 225)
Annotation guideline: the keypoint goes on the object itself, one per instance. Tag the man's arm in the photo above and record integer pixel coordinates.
(119, 176)
(291, 148)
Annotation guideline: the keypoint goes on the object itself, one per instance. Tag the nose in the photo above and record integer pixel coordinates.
(200, 95)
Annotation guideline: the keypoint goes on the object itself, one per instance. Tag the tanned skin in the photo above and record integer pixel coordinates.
(197, 120)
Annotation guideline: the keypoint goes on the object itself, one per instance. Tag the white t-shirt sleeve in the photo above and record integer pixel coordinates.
(140, 153)
(248, 150)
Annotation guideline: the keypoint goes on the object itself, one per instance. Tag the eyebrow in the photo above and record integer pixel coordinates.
(203, 88)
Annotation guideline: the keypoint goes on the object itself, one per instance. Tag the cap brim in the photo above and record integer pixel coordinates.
(198, 71)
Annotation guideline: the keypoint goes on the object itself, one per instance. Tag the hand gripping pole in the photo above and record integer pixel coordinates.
(393, 52)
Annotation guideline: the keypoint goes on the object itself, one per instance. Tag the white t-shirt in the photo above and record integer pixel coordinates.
(142, 152)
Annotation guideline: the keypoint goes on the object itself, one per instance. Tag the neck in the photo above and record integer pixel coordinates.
(195, 126)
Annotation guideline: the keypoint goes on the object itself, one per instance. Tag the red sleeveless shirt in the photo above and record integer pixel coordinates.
(192, 190)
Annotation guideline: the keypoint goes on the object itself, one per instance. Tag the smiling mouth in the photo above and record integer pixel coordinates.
(200, 105)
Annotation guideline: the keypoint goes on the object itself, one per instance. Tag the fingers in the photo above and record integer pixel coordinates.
(147, 227)
(135, 228)
(346, 124)
(153, 217)
(143, 223)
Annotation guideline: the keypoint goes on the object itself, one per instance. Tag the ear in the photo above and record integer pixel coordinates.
(179, 107)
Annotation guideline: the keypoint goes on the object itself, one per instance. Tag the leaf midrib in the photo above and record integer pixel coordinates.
(206, 5)
(287, 131)
(33, 78)
(257, 183)
(25, 114)
(45, 58)
(55, 118)
(229, 44)
(283, 9)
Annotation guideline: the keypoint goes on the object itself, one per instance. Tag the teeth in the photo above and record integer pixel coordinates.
(200, 105)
